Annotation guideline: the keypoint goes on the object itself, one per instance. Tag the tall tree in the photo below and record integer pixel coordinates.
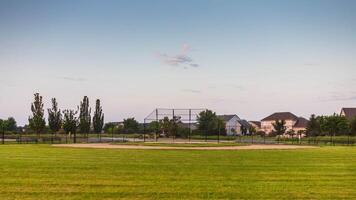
(174, 125)
(98, 118)
(10, 124)
(313, 127)
(54, 117)
(207, 121)
(70, 122)
(37, 121)
(131, 125)
(279, 127)
(353, 126)
(84, 116)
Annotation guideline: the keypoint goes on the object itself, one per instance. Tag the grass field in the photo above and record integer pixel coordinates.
(45, 172)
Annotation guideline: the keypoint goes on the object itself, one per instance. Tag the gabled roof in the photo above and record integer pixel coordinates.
(281, 116)
(244, 123)
(349, 112)
(227, 118)
(257, 123)
(301, 123)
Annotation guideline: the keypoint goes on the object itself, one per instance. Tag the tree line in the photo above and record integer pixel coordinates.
(333, 125)
(66, 119)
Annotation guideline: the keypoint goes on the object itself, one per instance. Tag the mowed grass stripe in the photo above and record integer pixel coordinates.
(45, 172)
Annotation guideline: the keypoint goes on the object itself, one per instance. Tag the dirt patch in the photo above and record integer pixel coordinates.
(247, 147)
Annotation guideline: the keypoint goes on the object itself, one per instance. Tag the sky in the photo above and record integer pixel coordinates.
(249, 58)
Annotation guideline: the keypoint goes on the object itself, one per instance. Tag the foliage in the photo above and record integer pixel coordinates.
(70, 121)
(313, 127)
(334, 125)
(84, 116)
(109, 127)
(54, 117)
(37, 121)
(98, 118)
(164, 125)
(208, 122)
(173, 125)
(279, 127)
(353, 126)
(131, 125)
(8, 125)
(153, 126)
(252, 130)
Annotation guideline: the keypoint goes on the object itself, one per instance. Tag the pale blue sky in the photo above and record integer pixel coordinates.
(249, 58)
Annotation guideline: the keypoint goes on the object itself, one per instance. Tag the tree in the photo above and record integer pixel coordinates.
(174, 125)
(131, 125)
(335, 125)
(353, 126)
(109, 127)
(84, 116)
(252, 130)
(54, 117)
(37, 121)
(70, 122)
(279, 127)
(98, 118)
(207, 121)
(10, 124)
(313, 127)
(164, 126)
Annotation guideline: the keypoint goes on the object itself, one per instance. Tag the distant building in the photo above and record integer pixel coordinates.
(256, 125)
(292, 122)
(349, 113)
(234, 125)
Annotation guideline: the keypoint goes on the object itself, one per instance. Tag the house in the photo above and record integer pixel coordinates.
(349, 113)
(256, 125)
(292, 122)
(234, 125)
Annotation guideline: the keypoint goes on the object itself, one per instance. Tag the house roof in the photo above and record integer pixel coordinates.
(257, 123)
(281, 116)
(244, 123)
(349, 112)
(301, 123)
(227, 118)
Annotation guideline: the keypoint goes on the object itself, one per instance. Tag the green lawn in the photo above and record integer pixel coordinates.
(45, 172)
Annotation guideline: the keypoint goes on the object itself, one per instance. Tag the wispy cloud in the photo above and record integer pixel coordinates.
(192, 91)
(183, 59)
(78, 79)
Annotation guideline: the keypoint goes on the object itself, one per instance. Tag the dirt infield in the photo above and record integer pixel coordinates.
(247, 147)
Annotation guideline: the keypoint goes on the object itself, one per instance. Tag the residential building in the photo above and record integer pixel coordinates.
(349, 113)
(256, 125)
(234, 125)
(292, 122)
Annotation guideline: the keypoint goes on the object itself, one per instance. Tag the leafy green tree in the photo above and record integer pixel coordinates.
(279, 127)
(109, 127)
(98, 118)
(37, 121)
(207, 121)
(313, 127)
(54, 117)
(84, 116)
(353, 126)
(164, 126)
(10, 124)
(131, 125)
(174, 124)
(153, 126)
(70, 122)
(335, 125)
(221, 126)
(252, 130)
